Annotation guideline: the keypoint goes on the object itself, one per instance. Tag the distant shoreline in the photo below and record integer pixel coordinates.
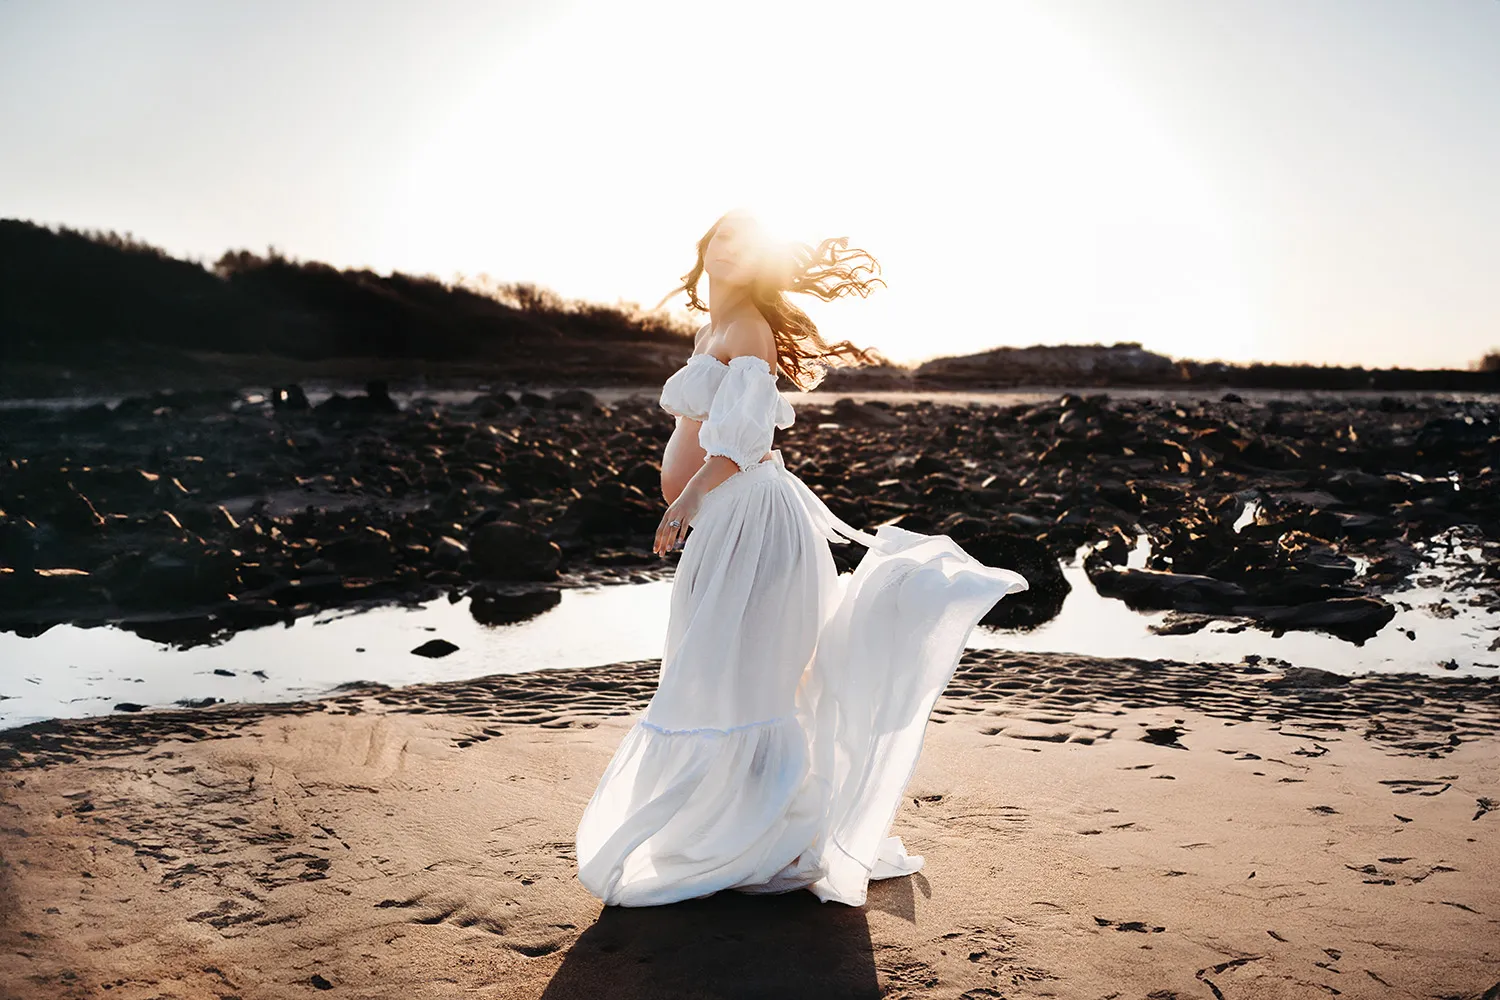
(97, 313)
(201, 371)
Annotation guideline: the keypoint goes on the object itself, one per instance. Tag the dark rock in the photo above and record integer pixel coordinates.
(532, 472)
(1181, 623)
(17, 543)
(1353, 618)
(600, 513)
(644, 476)
(1356, 486)
(289, 398)
(435, 648)
(364, 553)
(1156, 590)
(852, 413)
(376, 401)
(575, 399)
(75, 513)
(1311, 677)
(1047, 590)
(313, 590)
(1314, 559)
(1364, 527)
(506, 551)
(177, 576)
(1452, 435)
(1314, 499)
(927, 463)
(1115, 547)
(378, 397)
(335, 404)
(449, 551)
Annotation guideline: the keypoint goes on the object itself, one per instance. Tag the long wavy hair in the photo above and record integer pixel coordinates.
(829, 270)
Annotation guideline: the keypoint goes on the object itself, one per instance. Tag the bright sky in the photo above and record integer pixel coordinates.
(1280, 179)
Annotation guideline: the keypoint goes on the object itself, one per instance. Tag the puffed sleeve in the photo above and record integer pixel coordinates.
(745, 411)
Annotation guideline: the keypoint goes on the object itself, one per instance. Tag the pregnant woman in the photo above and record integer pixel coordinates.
(792, 701)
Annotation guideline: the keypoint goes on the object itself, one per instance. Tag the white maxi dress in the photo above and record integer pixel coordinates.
(792, 701)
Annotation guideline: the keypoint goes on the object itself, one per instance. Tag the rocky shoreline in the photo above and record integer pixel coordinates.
(188, 516)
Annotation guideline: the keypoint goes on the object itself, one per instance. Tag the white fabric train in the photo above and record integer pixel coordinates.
(792, 701)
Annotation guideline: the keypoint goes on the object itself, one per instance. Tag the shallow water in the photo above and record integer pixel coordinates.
(72, 672)
(69, 672)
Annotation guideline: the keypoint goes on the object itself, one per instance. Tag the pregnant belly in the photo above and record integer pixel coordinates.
(683, 458)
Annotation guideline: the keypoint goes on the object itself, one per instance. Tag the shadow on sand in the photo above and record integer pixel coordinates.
(733, 945)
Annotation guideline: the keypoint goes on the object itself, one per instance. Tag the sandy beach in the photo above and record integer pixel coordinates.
(1092, 828)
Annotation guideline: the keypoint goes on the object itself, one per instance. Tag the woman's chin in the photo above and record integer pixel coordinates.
(728, 277)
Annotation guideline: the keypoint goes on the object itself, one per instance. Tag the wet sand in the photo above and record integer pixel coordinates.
(1093, 828)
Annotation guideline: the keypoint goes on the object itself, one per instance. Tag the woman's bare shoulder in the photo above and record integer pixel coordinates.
(751, 335)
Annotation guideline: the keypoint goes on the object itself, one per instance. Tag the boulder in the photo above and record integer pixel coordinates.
(575, 399)
(435, 648)
(1157, 590)
(507, 551)
(1033, 560)
(289, 398)
(1352, 618)
(852, 413)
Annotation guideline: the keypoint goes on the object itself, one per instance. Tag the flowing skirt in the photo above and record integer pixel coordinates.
(791, 706)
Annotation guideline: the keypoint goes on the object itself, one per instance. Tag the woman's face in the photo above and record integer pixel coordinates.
(734, 251)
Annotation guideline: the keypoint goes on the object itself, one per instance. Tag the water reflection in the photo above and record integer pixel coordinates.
(73, 672)
(1431, 630)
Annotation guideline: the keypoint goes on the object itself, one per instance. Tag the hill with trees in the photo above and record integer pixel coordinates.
(97, 309)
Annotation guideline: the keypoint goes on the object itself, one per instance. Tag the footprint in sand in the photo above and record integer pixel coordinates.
(1406, 786)
(1165, 736)
(460, 913)
(1129, 925)
(993, 951)
(1386, 878)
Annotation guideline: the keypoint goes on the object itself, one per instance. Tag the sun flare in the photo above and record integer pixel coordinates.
(1011, 189)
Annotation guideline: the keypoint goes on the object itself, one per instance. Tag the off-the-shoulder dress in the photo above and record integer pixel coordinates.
(792, 700)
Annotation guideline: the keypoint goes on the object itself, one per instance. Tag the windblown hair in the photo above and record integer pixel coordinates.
(828, 271)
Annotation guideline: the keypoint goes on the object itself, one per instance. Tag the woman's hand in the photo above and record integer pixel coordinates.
(682, 510)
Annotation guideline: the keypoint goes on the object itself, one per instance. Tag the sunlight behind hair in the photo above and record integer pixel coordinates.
(1012, 190)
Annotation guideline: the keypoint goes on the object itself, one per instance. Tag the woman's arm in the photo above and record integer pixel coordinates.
(741, 338)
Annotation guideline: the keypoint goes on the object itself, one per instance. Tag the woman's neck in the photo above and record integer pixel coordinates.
(726, 303)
